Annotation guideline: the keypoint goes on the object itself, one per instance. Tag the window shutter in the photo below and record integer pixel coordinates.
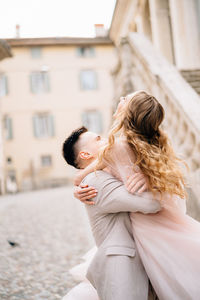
(99, 122)
(85, 51)
(3, 85)
(88, 80)
(79, 51)
(93, 121)
(51, 125)
(6, 85)
(10, 130)
(81, 80)
(46, 82)
(36, 126)
(43, 126)
(31, 78)
(36, 52)
(92, 52)
(39, 82)
(85, 119)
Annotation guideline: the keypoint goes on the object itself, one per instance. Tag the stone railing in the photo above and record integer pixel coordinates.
(141, 67)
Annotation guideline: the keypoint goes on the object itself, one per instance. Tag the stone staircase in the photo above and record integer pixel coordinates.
(193, 78)
(141, 67)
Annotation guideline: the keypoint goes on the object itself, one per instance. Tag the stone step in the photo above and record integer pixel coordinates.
(191, 72)
(189, 77)
(193, 78)
(197, 90)
(194, 84)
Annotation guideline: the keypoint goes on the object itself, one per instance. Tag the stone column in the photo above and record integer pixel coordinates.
(186, 36)
(161, 27)
(143, 20)
(126, 66)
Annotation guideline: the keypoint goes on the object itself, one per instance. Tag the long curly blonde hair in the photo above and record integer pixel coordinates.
(139, 122)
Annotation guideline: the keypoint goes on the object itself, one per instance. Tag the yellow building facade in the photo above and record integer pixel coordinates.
(53, 85)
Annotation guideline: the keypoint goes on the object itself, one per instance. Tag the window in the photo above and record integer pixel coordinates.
(198, 12)
(88, 80)
(92, 120)
(36, 52)
(43, 125)
(85, 51)
(9, 160)
(3, 85)
(46, 160)
(11, 182)
(39, 82)
(8, 130)
(11, 175)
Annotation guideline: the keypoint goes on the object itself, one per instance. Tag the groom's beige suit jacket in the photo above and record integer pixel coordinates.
(116, 270)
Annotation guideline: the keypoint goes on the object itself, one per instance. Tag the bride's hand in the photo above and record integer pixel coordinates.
(137, 182)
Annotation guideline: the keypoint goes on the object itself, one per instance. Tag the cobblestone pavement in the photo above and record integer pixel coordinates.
(52, 231)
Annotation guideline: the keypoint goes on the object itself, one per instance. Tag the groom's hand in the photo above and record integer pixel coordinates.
(85, 193)
(137, 183)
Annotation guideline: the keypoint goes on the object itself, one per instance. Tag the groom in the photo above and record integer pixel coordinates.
(116, 271)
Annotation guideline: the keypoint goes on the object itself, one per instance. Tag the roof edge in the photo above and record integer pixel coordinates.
(51, 41)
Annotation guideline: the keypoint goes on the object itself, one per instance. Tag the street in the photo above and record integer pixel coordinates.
(42, 235)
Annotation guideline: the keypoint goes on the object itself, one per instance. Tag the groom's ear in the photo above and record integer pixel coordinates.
(85, 155)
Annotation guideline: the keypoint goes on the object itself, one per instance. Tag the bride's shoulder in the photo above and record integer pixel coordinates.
(121, 140)
(120, 147)
(121, 143)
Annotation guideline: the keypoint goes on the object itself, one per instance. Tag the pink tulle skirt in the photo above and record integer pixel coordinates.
(169, 246)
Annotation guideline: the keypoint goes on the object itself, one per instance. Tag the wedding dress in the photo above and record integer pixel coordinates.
(168, 242)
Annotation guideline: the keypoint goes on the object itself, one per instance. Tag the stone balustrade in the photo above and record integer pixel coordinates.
(142, 67)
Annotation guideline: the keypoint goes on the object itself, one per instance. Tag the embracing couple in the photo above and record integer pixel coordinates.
(140, 236)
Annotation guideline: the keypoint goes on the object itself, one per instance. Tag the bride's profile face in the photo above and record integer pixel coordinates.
(122, 103)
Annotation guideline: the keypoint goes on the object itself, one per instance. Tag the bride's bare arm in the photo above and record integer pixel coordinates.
(122, 165)
(89, 169)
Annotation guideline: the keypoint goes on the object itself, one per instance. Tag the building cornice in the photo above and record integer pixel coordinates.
(117, 18)
(51, 41)
(123, 18)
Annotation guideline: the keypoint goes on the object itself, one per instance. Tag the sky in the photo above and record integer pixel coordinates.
(44, 18)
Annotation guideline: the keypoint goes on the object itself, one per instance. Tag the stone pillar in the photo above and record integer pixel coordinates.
(186, 35)
(126, 66)
(145, 20)
(161, 28)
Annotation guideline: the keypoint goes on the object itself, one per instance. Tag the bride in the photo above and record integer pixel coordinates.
(169, 241)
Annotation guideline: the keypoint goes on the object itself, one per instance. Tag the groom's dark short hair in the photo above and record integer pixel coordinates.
(69, 146)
